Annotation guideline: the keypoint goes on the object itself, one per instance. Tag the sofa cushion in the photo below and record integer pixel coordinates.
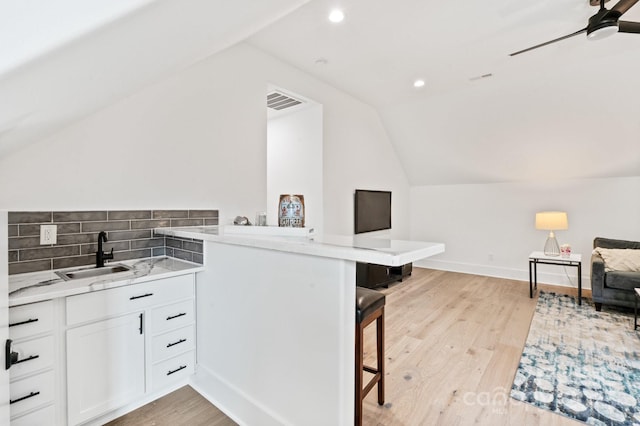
(619, 259)
(622, 280)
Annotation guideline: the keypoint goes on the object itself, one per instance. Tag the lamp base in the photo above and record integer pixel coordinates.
(551, 247)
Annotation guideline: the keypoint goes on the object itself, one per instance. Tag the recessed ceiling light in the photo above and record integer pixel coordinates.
(418, 83)
(336, 16)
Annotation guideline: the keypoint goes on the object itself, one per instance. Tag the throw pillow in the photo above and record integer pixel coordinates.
(627, 260)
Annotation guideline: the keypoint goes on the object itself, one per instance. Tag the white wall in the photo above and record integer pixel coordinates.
(294, 162)
(477, 221)
(198, 140)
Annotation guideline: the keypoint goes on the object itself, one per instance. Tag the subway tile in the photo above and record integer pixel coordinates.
(48, 252)
(173, 242)
(24, 242)
(187, 222)
(13, 231)
(129, 214)
(63, 228)
(184, 255)
(150, 224)
(169, 251)
(13, 255)
(198, 258)
(77, 239)
(24, 267)
(159, 251)
(79, 216)
(201, 214)
(155, 242)
(133, 254)
(170, 214)
(211, 222)
(121, 225)
(192, 246)
(29, 217)
(128, 235)
(116, 246)
(70, 262)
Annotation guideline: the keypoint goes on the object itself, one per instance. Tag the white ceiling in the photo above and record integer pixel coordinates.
(568, 110)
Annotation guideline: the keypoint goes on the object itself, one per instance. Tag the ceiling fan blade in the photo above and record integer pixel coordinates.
(551, 41)
(628, 27)
(623, 5)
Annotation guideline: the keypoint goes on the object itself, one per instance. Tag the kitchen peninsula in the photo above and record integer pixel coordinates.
(276, 318)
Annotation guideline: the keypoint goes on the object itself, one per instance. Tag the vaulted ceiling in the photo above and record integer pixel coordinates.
(567, 110)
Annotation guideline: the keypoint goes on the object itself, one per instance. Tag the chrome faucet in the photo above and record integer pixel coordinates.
(100, 255)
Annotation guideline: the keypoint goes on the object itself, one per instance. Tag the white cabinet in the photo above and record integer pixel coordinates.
(32, 387)
(105, 366)
(126, 343)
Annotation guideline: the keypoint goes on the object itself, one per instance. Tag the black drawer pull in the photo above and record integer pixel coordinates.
(26, 359)
(141, 296)
(176, 343)
(32, 394)
(30, 320)
(182, 367)
(176, 316)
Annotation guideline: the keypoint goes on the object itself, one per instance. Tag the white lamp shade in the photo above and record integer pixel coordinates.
(552, 221)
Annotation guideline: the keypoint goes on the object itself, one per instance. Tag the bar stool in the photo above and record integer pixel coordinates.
(369, 307)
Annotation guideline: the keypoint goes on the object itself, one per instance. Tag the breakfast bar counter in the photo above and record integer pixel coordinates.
(276, 319)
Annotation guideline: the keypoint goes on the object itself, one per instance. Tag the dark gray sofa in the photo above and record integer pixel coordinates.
(615, 287)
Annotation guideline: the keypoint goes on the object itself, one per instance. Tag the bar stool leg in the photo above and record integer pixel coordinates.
(359, 374)
(380, 356)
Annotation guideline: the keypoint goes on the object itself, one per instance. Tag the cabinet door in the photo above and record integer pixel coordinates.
(105, 366)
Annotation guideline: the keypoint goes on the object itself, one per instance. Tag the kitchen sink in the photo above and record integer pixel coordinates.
(75, 274)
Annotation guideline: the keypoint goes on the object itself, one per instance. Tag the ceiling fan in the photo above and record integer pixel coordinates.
(602, 24)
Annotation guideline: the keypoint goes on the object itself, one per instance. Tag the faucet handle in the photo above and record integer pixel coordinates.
(108, 255)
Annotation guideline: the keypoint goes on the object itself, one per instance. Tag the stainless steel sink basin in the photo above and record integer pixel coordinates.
(74, 274)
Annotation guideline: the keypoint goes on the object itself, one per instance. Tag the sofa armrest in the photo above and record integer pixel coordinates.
(597, 275)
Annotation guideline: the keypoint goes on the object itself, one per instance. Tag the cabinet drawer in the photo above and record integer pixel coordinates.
(33, 355)
(129, 298)
(29, 320)
(172, 316)
(30, 393)
(43, 416)
(173, 343)
(172, 370)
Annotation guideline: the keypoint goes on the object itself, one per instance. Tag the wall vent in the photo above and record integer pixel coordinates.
(279, 101)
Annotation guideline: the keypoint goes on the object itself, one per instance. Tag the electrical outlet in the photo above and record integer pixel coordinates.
(48, 234)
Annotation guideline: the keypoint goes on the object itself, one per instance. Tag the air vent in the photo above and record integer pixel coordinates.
(279, 101)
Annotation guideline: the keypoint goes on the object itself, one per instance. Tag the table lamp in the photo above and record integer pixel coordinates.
(552, 221)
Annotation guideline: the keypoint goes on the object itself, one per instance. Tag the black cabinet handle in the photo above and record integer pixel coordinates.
(31, 395)
(141, 321)
(8, 355)
(176, 343)
(141, 296)
(182, 367)
(30, 320)
(176, 316)
(26, 359)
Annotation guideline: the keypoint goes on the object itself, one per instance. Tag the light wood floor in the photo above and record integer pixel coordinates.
(453, 343)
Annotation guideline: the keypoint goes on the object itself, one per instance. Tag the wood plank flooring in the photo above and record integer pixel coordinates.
(453, 343)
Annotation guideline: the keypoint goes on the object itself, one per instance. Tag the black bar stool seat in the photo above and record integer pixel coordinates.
(369, 308)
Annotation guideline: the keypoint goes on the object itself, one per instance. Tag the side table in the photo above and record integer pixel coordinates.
(538, 257)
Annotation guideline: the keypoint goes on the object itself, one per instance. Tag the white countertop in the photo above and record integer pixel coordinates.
(382, 251)
(38, 286)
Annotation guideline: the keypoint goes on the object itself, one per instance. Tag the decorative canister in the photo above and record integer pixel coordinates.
(565, 250)
(291, 211)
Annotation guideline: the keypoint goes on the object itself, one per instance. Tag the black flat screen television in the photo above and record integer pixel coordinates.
(372, 210)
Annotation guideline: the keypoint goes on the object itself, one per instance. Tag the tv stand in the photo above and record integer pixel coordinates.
(370, 275)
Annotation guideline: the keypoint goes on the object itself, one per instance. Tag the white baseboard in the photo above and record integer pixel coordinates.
(555, 275)
(236, 404)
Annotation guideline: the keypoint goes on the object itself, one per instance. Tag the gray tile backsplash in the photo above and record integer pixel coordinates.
(129, 233)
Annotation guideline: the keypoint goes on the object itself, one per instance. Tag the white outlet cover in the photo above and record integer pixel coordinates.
(48, 234)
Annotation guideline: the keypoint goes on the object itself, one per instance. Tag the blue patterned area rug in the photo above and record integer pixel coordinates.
(581, 363)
